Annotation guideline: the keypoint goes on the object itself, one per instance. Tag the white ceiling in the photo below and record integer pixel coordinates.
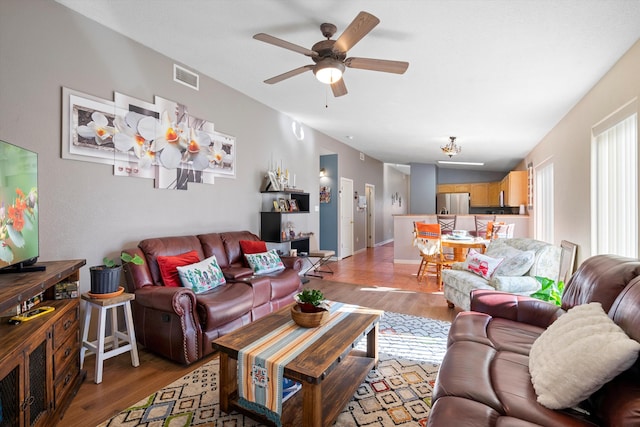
(498, 74)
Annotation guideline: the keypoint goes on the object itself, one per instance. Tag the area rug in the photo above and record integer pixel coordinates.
(396, 393)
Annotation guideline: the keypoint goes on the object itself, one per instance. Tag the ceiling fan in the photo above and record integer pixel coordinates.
(330, 56)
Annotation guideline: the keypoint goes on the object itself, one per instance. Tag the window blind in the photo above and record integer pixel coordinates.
(614, 189)
(543, 208)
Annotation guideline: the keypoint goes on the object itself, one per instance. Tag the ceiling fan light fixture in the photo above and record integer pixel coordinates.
(451, 149)
(329, 70)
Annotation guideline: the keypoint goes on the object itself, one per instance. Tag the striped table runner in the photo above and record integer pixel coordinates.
(261, 364)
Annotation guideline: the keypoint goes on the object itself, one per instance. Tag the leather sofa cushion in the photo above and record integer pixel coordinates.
(231, 241)
(224, 304)
(167, 246)
(283, 283)
(212, 245)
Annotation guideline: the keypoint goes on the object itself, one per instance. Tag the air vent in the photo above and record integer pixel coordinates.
(186, 77)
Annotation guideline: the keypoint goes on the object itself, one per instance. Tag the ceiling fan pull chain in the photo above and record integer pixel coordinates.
(326, 97)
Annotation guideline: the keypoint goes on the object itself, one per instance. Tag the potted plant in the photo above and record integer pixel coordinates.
(310, 300)
(549, 290)
(105, 278)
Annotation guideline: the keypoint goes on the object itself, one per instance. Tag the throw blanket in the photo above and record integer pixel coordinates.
(261, 364)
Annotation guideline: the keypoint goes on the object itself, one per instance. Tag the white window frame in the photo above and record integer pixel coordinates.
(614, 183)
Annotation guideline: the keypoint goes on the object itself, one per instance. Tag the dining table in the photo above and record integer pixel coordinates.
(461, 245)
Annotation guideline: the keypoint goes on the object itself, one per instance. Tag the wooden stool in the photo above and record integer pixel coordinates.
(117, 337)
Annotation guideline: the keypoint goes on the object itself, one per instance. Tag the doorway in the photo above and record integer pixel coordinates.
(370, 217)
(346, 218)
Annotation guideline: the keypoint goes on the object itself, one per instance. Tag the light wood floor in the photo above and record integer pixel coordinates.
(368, 278)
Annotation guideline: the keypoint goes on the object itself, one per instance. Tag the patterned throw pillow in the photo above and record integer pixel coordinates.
(168, 264)
(265, 262)
(482, 265)
(202, 276)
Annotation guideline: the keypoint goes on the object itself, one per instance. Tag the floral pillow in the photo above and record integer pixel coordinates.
(480, 264)
(265, 262)
(202, 276)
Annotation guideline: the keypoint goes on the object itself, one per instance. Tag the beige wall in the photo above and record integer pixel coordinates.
(568, 146)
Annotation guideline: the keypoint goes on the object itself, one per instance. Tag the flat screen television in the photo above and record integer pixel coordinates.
(19, 243)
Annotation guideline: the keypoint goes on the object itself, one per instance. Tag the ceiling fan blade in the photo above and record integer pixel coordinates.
(289, 74)
(284, 44)
(359, 27)
(339, 88)
(397, 67)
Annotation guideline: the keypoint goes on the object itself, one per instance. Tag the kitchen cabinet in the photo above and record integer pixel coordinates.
(479, 194)
(514, 186)
(494, 194)
(446, 188)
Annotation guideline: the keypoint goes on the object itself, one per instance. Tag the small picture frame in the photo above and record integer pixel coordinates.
(284, 207)
(293, 205)
(276, 206)
(273, 180)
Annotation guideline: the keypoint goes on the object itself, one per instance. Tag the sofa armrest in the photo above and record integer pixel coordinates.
(137, 276)
(178, 300)
(515, 307)
(293, 262)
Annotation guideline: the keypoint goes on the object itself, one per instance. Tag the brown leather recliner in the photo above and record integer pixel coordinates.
(179, 324)
(484, 378)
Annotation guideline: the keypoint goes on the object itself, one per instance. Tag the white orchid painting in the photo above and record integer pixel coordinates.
(160, 140)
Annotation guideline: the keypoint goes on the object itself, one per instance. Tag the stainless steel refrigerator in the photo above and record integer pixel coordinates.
(453, 203)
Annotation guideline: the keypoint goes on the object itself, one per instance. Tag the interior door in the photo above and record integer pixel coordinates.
(346, 218)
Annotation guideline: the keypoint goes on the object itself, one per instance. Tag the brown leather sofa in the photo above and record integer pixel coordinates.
(179, 324)
(484, 378)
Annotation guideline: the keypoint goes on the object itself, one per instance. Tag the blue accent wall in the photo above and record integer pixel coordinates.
(328, 239)
(422, 189)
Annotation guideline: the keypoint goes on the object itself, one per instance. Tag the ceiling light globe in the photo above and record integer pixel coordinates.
(329, 71)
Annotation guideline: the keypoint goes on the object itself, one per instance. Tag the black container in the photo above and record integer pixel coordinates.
(105, 280)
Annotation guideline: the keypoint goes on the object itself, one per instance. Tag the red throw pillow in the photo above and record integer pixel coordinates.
(253, 246)
(168, 266)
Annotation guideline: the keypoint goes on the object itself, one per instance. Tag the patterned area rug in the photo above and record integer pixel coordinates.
(396, 393)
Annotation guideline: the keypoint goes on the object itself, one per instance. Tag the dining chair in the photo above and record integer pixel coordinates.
(490, 226)
(481, 224)
(503, 231)
(429, 241)
(447, 223)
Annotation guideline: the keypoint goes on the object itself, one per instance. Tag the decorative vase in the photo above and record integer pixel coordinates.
(105, 280)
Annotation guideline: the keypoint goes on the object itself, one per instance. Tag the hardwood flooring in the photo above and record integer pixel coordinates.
(369, 278)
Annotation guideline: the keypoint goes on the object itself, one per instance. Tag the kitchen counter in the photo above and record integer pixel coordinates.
(405, 253)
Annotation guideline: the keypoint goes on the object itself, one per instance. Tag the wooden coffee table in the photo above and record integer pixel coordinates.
(330, 370)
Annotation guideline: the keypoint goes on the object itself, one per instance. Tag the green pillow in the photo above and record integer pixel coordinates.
(265, 262)
(202, 276)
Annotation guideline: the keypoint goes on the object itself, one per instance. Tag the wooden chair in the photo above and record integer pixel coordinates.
(429, 242)
(489, 235)
(481, 224)
(567, 261)
(447, 223)
(503, 231)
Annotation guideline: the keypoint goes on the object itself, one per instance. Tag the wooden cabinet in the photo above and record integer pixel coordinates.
(40, 358)
(273, 223)
(494, 194)
(446, 188)
(514, 186)
(479, 194)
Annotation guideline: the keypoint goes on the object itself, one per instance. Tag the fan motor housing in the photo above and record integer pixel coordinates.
(324, 49)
